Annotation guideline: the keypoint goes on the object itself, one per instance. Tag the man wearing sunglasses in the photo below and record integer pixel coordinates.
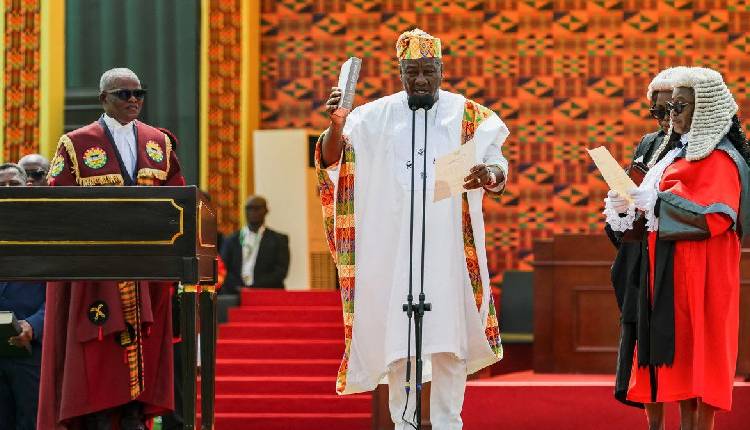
(619, 212)
(36, 168)
(107, 362)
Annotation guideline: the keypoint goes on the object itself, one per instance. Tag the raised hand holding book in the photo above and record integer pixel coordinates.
(348, 81)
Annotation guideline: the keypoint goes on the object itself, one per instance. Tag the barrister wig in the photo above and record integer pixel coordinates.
(662, 81)
(713, 112)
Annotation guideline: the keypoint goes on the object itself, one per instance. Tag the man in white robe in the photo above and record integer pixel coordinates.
(364, 171)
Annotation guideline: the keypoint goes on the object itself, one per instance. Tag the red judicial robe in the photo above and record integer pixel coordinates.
(706, 281)
(107, 343)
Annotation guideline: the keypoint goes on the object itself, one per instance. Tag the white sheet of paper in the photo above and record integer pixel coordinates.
(451, 169)
(614, 175)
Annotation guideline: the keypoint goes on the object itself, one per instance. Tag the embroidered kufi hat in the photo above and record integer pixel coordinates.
(415, 44)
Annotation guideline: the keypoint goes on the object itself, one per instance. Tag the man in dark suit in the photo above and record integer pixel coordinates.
(19, 376)
(255, 256)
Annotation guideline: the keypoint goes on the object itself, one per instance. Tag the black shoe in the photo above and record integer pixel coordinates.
(97, 421)
(132, 417)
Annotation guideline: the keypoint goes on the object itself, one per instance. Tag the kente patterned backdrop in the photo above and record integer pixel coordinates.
(225, 59)
(564, 75)
(21, 75)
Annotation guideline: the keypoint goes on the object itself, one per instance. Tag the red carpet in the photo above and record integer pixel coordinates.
(279, 354)
(276, 366)
(526, 401)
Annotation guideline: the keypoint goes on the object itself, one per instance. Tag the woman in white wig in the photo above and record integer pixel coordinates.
(630, 250)
(696, 201)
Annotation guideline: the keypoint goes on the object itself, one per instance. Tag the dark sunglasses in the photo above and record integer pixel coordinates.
(125, 95)
(659, 112)
(677, 107)
(36, 174)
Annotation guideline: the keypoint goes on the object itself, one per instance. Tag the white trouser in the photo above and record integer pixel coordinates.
(446, 393)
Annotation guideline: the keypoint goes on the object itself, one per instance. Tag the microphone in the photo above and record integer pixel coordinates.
(421, 101)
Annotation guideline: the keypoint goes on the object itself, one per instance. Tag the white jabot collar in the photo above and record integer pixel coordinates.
(685, 138)
(115, 125)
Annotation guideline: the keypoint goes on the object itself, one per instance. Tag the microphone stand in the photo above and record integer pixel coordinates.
(417, 310)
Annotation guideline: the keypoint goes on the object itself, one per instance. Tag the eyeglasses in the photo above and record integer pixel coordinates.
(36, 174)
(677, 107)
(125, 95)
(658, 112)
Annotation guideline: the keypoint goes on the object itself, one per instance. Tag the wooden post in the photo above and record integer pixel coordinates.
(189, 356)
(207, 308)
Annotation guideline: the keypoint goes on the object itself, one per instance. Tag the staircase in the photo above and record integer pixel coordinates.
(276, 365)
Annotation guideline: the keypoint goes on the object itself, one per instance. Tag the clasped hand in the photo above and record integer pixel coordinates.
(24, 338)
(617, 202)
(479, 176)
(337, 114)
(642, 199)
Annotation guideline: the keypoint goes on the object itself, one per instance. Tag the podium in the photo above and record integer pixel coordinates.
(576, 319)
(123, 233)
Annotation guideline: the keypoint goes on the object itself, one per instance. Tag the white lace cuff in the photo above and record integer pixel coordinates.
(652, 222)
(617, 222)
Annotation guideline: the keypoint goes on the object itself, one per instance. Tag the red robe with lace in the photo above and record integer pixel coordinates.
(706, 289)
(85, 367)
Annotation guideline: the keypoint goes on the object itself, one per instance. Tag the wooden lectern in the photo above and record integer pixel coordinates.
(122, 233)
(576, 320)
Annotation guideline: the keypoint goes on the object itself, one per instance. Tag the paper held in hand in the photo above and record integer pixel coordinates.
(613, 174)
(451, 169)
(348, 81)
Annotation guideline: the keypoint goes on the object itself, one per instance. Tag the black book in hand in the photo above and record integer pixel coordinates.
(9, 327)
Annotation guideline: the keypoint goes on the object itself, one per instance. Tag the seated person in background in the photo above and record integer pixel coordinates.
(19, 376)
(255, 256)
(36, 168)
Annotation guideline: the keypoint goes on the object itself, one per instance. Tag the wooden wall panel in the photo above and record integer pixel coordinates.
(576, 319)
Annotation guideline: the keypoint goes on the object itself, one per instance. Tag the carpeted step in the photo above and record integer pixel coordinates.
(267, 385)
(272, 421)
(277, 361)
(293, 403)
(277, 367)
(281, 348)
(290, 314)
(270, 297)
(249, 330)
